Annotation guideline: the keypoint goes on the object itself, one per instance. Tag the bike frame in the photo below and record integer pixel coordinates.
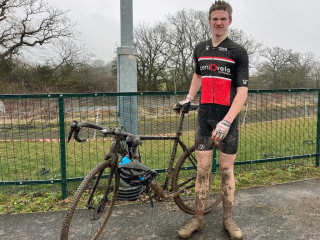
(177, 141)
(117, 148)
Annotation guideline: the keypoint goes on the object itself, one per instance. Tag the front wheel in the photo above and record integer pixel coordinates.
(184, 176)
(98, 193)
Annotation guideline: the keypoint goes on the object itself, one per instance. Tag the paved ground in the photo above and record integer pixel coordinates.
(286, 211)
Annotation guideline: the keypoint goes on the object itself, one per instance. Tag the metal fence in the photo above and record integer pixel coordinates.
(276, 128)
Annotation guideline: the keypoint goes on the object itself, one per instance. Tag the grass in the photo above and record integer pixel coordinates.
(41, 160)
(51, 201)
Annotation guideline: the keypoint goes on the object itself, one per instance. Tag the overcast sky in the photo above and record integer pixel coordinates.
(290, 24)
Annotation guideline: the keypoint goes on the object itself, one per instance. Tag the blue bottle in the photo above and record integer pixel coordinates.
(124, 160)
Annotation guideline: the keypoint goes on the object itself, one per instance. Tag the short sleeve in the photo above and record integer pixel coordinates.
(243, 69)
(196, 62)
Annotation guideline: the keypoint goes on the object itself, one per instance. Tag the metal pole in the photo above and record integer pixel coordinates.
(127, 70)
(318, 132)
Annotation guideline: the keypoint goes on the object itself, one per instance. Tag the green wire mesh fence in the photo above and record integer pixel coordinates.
(277, 128)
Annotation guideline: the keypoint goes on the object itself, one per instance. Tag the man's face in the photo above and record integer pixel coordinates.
(219, 22)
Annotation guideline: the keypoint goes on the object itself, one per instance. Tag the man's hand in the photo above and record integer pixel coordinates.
(183, 106)
(221, 131)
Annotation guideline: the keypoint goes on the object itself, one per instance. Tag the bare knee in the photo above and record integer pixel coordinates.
(226, 161)
(204, 159)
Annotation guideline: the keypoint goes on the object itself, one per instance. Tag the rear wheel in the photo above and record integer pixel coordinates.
(98, 193)
(184, 176)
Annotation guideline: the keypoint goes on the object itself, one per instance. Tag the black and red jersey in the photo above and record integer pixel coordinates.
(222, 69)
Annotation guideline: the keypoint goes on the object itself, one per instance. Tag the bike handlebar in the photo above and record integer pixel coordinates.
(192, 107)
(76, 127)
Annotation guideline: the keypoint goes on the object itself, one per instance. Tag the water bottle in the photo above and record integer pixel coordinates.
(124, 160)
(123, 184)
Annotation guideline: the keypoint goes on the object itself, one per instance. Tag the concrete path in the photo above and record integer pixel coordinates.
(286, 211)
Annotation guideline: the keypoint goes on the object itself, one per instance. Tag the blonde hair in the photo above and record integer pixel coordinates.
(221, 5)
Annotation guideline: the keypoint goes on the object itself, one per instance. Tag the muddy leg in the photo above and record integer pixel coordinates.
(204, 159)
(226, 164)
(202, 187)
(227, 183)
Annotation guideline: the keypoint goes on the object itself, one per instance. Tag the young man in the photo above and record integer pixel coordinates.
(221, 70)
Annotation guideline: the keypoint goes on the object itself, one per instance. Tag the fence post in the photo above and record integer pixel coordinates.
(62, 149)
(214, 162)
(318, 132)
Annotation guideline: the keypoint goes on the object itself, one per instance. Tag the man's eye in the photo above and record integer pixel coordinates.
(216, 19)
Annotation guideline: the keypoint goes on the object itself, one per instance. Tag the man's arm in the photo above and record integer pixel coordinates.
(242, 86)
(237, 104)
(222, 128)
(195, 86)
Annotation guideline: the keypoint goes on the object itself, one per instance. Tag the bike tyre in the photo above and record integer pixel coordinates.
(81, 189)
(184, 203)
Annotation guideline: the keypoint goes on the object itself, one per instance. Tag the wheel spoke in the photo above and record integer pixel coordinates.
(100, 201)
(187, 181)
(184, 177)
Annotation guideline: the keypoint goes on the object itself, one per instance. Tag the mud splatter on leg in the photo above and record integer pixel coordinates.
(203, 181)
(227, 184)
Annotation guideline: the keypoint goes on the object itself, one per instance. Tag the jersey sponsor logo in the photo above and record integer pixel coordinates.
(218, 67)
(245, 81)
(201, 146)
(223, 49)
(215, 68)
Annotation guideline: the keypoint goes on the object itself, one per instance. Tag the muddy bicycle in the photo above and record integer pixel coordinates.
(100, 188)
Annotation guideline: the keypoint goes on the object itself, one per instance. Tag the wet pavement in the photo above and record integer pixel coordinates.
(285, 211)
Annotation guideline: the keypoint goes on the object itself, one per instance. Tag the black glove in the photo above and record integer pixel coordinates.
(183, 106)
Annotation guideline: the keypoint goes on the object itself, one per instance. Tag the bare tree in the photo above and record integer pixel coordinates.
(68, 53)
(27, 23)
(187, 28)
(315, 74)
(165, 51)
(153, 56)
(253, 47)
(247, 42)
(281, 68)
(302, 66)
(275, 67)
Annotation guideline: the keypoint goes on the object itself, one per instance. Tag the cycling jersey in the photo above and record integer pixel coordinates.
(222, 69)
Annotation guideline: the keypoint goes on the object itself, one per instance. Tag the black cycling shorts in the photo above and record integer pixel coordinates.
(206, 125)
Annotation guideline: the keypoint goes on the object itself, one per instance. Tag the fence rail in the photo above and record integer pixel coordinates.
(276, 128)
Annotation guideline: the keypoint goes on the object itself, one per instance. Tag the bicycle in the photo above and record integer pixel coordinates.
(105, 176)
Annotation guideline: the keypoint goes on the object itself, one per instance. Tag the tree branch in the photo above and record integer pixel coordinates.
(39, 24)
